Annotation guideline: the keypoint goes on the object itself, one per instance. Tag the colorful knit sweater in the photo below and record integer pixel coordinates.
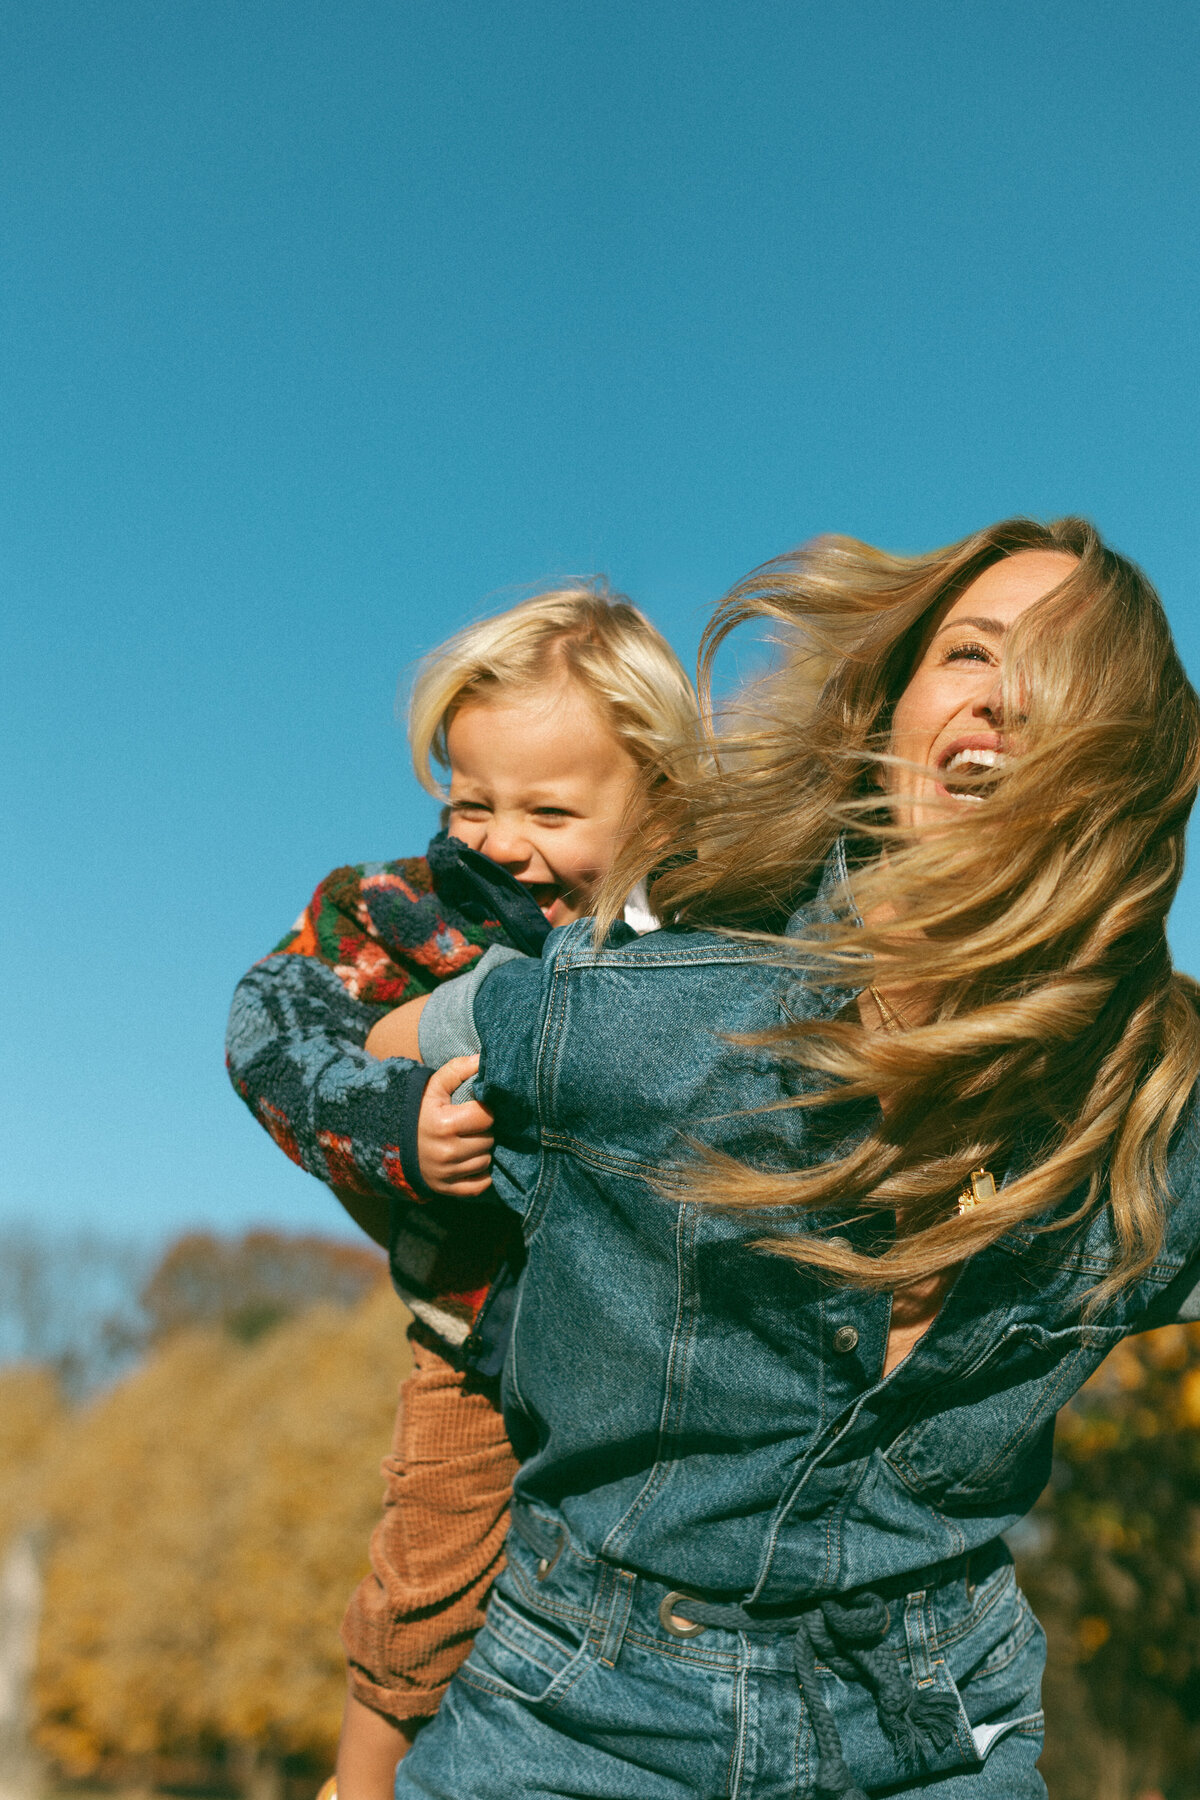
(373, 936)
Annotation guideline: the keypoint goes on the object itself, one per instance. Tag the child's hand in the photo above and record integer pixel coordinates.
(454, 1143)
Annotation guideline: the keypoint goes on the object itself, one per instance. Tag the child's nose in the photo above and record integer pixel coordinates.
(506, 843)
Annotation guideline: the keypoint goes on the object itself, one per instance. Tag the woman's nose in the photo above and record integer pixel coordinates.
(990, 704)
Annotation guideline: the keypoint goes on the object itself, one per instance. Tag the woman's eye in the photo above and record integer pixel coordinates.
(969, 653)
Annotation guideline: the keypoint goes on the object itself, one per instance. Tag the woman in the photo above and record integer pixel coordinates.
(827, 1216)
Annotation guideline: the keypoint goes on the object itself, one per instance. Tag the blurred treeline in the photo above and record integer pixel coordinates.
(204, 1519)
(205, 1515)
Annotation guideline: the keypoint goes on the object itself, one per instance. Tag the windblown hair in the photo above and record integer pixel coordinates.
(1050, 1037)
(582, 633)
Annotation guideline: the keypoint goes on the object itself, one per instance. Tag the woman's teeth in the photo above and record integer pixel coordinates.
(970, 760)
(983, 759)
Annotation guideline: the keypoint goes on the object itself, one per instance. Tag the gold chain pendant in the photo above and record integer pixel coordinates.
(981, 1186)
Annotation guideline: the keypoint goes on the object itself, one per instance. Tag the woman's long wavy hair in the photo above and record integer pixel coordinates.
(1027, 933)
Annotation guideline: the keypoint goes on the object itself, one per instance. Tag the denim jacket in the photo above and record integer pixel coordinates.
(713, 1416)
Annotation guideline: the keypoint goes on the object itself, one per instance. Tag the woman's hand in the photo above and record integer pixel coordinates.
(396, 1033)
(454, 1143)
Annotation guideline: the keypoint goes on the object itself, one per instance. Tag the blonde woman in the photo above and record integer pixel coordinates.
(547, 720)
(835, 1190)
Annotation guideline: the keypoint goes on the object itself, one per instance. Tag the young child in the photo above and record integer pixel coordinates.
(551, 719)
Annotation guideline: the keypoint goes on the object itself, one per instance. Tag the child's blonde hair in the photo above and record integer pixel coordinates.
(584, 633)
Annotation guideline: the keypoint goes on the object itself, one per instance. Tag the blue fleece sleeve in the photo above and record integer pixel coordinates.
(294, 1050)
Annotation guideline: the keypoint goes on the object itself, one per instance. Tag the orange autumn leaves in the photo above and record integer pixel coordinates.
(206, 1522)
(207, 1518)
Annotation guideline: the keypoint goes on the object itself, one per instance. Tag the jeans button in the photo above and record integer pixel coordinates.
(845, 1339)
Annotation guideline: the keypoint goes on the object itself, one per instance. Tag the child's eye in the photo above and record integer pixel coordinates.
(551, 812)
(469, 806)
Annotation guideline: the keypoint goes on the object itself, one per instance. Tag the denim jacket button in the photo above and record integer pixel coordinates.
(845, 1339)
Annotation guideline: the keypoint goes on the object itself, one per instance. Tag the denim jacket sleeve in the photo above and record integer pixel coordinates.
(1178, 1299)
(447, 1027)
(509, 1011)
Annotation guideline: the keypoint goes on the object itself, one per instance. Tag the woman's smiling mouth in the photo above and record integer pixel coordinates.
(968, 770)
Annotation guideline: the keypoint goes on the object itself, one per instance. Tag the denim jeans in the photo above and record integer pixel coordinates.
(575, 1688)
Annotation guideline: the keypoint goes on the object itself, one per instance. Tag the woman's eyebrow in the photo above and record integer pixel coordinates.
(996, 627)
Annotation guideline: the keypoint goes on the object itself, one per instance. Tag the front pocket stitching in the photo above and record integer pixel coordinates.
(575, 1666)
(542, 1603)
(524, 1625)
(994, 1594)
(1010, 1647)
(521, 1650)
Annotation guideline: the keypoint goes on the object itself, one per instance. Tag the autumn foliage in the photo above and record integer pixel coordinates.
(1114, 1570)
(206, 1519)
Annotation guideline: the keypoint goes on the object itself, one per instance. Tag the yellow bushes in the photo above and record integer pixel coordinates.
(208, 1519)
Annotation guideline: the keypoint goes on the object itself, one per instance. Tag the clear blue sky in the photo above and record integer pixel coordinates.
(323, 326)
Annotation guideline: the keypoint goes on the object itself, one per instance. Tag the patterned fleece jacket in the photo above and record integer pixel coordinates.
(373, 936)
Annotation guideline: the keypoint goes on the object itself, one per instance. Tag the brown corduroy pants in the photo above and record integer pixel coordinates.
(437, 1548)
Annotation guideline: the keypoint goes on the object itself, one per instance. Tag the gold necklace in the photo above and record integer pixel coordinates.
(981, 1183)
(981, 1186)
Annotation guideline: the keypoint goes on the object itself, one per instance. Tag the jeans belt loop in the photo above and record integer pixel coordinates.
(611, 1613)
(917, 1623)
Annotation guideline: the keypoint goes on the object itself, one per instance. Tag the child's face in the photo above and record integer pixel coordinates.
(539, 783)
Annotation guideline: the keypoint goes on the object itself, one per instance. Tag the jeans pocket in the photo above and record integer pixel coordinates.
(998, 1672)
(525, 1655)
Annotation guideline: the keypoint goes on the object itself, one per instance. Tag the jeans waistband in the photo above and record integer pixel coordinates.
(847, 1633)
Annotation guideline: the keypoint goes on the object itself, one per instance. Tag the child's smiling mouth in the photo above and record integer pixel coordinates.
(546, 893)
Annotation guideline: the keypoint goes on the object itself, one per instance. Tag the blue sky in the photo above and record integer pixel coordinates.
(325, 327)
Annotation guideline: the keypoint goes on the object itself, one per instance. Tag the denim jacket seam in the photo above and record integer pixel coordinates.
(1018, 1242)
(614, 1160)
(572, 962)
(512, 1364)
(683, 1327)
(788, 1500)
(545, 1069)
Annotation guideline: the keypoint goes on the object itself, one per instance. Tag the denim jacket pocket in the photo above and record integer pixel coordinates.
(988, 1431)
(527, 1655)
